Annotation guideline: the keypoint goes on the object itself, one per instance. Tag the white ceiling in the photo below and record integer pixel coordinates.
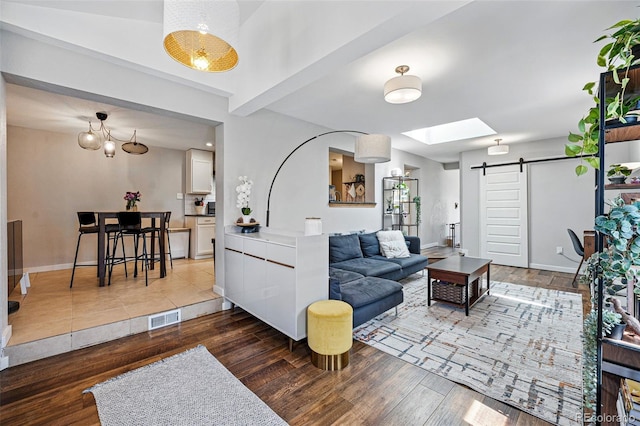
(517, 65)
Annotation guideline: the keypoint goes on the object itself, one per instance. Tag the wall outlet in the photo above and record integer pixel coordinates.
(179, 196)
(559, 250)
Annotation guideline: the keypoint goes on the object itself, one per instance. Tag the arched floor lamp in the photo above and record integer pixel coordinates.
(369, 148)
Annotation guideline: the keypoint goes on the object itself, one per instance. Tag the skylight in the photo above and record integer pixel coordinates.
(449, 132)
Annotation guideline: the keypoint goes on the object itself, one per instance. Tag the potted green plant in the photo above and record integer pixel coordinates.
(618, 55)
(589, 351)
(617, 267)
(618, 173)
(389, 208)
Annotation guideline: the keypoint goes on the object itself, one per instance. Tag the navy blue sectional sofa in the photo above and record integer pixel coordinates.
(361, 276)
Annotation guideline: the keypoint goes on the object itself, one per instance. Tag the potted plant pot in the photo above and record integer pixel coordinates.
(616, 180)
(617, 331)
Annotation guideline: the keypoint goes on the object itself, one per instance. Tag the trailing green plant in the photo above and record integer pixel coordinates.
(617, 56)
(416, 200)
(589, 352)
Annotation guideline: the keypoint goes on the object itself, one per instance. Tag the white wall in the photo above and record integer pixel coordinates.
(558, 200)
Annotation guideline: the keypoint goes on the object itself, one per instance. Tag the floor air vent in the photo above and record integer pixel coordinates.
(164, 319)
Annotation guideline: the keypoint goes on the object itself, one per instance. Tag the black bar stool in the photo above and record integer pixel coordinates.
(89, 225)
(130, 223)
(156, 231)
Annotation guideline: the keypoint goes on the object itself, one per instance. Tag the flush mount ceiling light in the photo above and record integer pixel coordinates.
(403, 89)
(93, 139)
(200, 34)
(498, 149)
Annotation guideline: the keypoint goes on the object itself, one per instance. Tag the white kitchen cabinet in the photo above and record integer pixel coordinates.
(199, 171)
(276, 276)
(203, 229)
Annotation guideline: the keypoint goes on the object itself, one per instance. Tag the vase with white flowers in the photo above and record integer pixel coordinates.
(244, 190)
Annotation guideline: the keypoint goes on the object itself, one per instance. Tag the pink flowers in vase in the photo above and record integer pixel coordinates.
(132, 198)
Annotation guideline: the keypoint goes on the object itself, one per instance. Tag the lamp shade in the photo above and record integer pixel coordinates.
(89, 140)
(200, 34)
(109, 148)
(402, 89)
(373, 149)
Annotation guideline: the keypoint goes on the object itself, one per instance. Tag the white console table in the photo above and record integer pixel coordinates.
(276, 276)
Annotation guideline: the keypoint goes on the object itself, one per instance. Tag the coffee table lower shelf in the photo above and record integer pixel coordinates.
(458, 281)
(454, 294)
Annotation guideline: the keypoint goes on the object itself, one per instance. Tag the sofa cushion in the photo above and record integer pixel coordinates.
(405, 262)
(369, 244)
(343, 276)
(368, 290)
(368, 267)
(344, 247)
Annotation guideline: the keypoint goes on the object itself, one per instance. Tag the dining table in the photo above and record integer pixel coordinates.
(102, 219)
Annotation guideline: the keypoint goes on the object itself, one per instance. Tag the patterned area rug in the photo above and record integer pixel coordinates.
(190, 388)
(519, 345)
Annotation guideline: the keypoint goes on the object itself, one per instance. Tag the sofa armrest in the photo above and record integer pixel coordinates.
(414, 244)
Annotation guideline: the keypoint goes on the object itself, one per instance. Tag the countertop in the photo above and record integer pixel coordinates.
(201, 215)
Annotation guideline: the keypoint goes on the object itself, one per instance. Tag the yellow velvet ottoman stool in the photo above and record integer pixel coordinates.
(329, 333)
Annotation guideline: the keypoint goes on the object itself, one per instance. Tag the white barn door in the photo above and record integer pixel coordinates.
(503, 216)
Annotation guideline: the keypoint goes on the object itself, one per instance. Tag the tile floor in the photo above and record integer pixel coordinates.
(50, 309)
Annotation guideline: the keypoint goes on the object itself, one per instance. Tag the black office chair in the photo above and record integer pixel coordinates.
(130, 223)
(577, 246)
(88, 225)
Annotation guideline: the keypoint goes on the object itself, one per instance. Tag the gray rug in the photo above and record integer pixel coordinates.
(190, 388)
(519, 345)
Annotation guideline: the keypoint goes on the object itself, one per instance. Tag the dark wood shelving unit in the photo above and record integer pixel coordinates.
(628, 132)
(622, 186)
(617, 358)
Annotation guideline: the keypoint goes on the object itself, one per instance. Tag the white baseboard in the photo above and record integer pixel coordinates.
(554, 268)
(428, 245)
(6, 335)
(47, 268)
(218, 290)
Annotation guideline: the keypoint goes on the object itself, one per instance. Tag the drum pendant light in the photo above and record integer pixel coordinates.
(201, 34)
(402, 89)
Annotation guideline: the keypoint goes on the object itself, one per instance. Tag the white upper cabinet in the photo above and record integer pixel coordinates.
(199, 172)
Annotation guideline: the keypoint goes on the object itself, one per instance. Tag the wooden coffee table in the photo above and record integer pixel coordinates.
(455, 274)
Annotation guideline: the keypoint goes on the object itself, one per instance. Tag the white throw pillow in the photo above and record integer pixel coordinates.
(392, 244)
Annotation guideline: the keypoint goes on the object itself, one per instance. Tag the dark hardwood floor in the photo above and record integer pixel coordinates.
(375, 388)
